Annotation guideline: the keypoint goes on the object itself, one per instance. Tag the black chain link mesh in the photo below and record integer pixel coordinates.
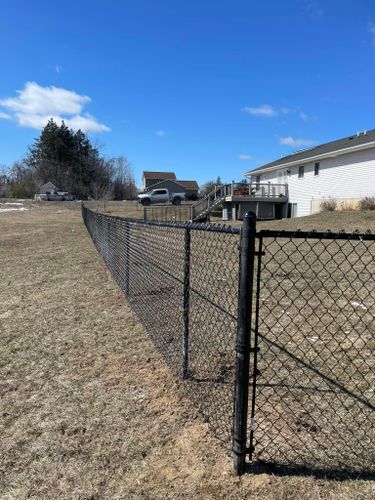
(315, 396)
(182, 281)
(315, 377)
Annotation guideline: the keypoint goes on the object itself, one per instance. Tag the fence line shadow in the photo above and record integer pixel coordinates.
(260, 467)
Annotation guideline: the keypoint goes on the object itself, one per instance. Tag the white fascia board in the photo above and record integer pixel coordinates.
(303, 161)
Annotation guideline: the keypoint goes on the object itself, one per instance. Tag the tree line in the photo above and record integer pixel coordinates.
(68, 160)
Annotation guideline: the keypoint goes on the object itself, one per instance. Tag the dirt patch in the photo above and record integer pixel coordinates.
(88, 409)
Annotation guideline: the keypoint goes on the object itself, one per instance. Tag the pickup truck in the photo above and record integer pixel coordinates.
(161, 196)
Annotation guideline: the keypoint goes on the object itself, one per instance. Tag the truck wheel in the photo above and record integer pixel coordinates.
(146, 202)
(177, 201)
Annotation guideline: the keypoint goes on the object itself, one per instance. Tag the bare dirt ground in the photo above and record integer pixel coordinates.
(87, 408)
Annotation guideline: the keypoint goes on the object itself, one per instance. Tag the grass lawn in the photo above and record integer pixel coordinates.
(88, 409)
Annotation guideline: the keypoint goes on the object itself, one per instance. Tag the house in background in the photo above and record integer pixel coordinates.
(48, 188)
(151, 178)
(169, 181)
(50, 192)
(343, 170)
(297, 184)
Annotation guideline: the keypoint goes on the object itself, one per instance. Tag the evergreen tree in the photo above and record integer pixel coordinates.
(67, 159)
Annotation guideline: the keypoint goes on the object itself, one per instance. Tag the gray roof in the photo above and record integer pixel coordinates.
(329, 147)
(189, 184)
(159, 175)
(48, 186)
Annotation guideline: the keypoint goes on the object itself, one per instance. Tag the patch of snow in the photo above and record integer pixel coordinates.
(22, 209)
(358, 304)
(313, 339)
(11, 203)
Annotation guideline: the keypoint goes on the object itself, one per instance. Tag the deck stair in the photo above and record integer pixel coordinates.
(201, 209)
(236, 192)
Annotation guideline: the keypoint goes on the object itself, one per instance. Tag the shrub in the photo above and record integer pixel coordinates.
(349, 206)
(328, 205)
(25, 189)
(367, 203)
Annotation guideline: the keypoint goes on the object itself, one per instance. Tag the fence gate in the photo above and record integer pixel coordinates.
(312, 363)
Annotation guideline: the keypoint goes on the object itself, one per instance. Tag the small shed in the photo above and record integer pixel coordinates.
(48, 188)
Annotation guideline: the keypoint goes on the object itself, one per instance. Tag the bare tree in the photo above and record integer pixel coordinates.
(206, 188)
(4, 181)
(123, 182)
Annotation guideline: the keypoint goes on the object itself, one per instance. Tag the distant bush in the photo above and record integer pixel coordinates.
(25, 189)
(367, 203)
(328, 205)
(349, 206)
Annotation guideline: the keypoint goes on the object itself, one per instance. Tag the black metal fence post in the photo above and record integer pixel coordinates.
(185, 347)
(245, 299)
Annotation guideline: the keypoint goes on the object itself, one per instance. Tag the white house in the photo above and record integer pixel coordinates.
(342, 169)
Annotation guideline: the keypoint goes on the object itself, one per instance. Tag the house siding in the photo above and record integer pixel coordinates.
(345, 177)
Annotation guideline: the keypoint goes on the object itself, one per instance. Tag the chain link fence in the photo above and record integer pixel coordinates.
(182, 282)
(173, 213)
(273, 333)
(315, 381)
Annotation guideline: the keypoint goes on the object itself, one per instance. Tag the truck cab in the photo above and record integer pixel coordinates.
(161, 195)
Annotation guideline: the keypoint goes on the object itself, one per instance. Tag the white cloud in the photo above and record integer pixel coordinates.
(290, 141)
(245, 157)
(262, 110)
(5, 116)
(58, 68)
(160, 133)
(266, 110)
(371, 29)
(35, 105)
(303, 116)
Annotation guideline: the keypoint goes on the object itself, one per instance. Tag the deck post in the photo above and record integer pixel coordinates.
(245, 299)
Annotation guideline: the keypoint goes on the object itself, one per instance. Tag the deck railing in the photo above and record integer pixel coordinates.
(253, 190)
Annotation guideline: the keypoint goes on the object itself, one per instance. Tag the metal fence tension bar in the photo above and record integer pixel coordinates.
(245, 299)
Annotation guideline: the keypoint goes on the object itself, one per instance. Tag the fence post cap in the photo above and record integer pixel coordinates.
(249, 215)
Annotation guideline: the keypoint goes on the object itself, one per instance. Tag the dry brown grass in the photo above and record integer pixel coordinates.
(88, 410)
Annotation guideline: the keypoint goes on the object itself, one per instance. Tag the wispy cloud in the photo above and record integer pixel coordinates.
(314, 9)
(160, 133)
(245, 157)
(269, 111)
(5, 116)
(291, 141)
(371, 29)
(307, 117)
(58, 68)
(35, 105)
(262, 110)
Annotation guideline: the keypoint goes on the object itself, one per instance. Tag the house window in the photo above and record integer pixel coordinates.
(257, 180)
(316, 168)
(301, 171)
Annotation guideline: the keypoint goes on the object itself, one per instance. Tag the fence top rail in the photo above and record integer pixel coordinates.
(214, 228)
(319, 235)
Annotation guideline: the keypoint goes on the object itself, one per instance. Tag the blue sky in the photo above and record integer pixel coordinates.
(204, 88)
